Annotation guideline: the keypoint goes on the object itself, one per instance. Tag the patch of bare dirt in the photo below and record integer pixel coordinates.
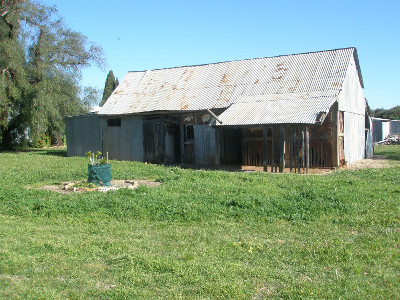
(376, 162)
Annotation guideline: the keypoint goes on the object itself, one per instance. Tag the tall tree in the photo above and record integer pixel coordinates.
(41, 71)
(13, 79)
(91, 97)
(110, 85)
(392, 113)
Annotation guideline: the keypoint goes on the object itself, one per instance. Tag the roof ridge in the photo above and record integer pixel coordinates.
(246, 59)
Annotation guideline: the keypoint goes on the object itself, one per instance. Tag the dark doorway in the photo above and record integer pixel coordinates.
(154, 141)
(231, 146)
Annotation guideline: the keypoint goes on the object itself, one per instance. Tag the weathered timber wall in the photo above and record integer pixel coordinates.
(204, 144)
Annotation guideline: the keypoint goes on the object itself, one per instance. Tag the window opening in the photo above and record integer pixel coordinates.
(189, 133)
(114, 122)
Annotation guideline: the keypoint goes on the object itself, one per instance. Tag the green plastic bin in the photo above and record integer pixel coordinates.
(100, 174)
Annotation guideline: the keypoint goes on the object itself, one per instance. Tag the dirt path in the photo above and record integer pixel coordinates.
(377, 161)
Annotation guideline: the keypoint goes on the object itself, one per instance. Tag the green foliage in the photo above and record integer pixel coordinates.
(96, 158)
(206, 234)
(40, 66)
(393, 113)
(110, 85)
(90, 98)
(43, 141)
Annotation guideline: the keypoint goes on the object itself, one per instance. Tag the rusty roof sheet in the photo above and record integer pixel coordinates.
(292, 108)
(220, 85)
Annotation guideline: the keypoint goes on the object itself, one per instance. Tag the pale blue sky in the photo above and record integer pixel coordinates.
(154, 34)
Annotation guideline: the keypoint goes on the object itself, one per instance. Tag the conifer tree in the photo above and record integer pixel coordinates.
(110, 85)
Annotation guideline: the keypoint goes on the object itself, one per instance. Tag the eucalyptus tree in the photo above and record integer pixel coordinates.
(42, 71)
(13, 79)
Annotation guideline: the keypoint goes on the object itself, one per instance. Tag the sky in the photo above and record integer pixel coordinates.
(155, 34)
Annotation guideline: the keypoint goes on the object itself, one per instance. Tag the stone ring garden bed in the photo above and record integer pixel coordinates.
(84, 186)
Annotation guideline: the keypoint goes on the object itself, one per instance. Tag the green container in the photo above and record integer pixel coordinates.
(100, 174)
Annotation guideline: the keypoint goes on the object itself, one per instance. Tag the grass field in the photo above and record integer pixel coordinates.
(200, 235)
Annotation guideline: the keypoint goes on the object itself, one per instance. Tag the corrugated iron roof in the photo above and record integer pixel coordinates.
(220, 85)
(293, 108)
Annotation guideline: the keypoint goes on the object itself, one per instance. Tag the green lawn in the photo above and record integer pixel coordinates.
(200, 235)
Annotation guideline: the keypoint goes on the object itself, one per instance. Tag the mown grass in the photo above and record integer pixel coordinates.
(201, 234)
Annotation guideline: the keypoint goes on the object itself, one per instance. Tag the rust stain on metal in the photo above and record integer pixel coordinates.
(292, 89)
(261, 77)
(189, 76)
(225, 78)
(183, 105)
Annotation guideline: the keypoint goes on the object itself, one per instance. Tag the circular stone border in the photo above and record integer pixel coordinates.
(78, 186)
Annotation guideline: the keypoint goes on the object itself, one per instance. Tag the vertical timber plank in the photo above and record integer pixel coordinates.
(182, 139)
(291, 148)
(272, 150)
(295, 149)
(335, 135)
(244, 147)
(302, 149)
(265, 148)
(217, 147)
(307, 149)
(282, 140)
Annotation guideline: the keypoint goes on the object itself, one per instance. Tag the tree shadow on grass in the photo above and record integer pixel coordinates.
(60, 152)
(388, 151)
(53, 152)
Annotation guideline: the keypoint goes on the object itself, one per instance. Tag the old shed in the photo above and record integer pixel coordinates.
(292, 111)
(382, 128)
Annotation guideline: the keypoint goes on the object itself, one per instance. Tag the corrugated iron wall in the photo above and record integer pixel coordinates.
(83, 134)
(352, 103)
(122, 140)
(354, 137)
(394, 127)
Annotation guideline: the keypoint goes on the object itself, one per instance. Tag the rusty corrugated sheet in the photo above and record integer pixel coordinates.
(220, 85)
(294, 108)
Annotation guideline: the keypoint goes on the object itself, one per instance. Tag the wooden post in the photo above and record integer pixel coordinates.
(217, 147)
(298, 149)
(244, 147)
(335, 135)
(298, 162)
(182, 139)
(295, 148)
(302, 149)
(276, 159)
(265, 148)
(163, 139)
(282, 140)
(307, 149)
(291, 148)
(272, 150)
(322, 155)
